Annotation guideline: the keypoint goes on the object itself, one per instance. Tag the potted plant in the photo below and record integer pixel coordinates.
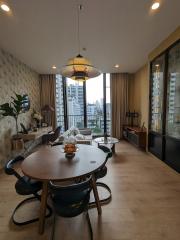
(14, 109)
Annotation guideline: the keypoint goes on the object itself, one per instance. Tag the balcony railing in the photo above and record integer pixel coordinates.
(94, 122)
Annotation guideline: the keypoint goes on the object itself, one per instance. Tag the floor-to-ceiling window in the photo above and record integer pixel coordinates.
(84, 104)
(108, 105)
(94, 104)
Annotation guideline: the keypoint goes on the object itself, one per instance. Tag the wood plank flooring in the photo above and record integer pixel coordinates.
(145, 204)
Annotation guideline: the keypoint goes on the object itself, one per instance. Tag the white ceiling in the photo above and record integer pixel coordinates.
(42, 33)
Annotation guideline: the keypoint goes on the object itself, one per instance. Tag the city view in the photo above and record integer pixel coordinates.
(75, 103)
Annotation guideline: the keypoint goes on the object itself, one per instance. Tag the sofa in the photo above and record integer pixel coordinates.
(82, 136)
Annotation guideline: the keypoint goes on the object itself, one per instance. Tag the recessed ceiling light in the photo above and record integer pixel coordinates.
(155, 5)
(5, 7)
(157, 65)
(54, 67)
(116, 66)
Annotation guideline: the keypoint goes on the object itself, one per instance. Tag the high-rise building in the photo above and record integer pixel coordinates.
(59, 101)
(76, 91)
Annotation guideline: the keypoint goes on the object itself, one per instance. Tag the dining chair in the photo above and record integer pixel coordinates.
(71, 200)
(51, 136)
(24, 186)
(102, 172)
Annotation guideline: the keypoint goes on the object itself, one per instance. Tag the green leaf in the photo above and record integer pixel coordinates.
(14, 108)
(7, 110)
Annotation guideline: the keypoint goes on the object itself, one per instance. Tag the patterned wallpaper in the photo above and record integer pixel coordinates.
(17, 77)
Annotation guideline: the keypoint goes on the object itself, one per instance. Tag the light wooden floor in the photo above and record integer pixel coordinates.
(145, 204)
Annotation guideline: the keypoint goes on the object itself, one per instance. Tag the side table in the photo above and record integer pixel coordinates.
(107, 140)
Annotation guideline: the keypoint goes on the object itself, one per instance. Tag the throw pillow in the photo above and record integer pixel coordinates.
(74, 131)
(80, 137)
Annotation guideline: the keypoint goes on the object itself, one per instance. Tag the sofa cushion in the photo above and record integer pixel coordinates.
(61, 138)
(85, 131)
(80, 137)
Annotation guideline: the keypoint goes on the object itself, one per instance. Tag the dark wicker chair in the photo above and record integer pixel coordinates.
(56, 144)
(70, 201)
(51, 136)
(24, 186)
(102, 173)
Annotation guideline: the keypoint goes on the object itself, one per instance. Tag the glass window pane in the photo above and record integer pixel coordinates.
(94, 96)
(157, 94)
(173, 93)
(59, 102)
(108, 104)
(75, 103)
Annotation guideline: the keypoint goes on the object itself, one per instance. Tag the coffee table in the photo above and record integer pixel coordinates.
(107, 140)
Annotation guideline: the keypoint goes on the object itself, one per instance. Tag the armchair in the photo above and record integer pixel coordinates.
(24, 186)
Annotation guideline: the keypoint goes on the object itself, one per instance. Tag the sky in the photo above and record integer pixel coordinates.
(94, 89)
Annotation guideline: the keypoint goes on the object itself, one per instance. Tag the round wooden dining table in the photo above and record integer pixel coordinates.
(50, 164)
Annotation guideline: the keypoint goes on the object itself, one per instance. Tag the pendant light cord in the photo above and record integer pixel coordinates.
(79, 9)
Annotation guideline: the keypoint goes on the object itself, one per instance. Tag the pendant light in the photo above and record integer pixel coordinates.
(79, 68)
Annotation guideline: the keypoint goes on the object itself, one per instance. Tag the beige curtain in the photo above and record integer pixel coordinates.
(119, 102)
(48, 94)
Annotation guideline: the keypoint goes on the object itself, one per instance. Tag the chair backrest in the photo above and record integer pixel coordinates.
(72, 193)
(106, 150)
(9, 167)
(56, 144)
(56, 133)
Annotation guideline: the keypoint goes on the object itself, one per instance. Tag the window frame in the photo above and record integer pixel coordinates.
(65, 104)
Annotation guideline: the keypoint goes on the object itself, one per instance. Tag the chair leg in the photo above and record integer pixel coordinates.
(17, 207)
(53, 227)
(48, 207)
(103, 185)
(104, 200)
(36, 196)
(89, 224)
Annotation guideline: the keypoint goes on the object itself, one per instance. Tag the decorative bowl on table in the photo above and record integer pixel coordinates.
(70, 147)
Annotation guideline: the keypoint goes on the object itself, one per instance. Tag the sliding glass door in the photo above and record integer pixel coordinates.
(156, 131)
(172, 136)
(173, 94)
(164, 124)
